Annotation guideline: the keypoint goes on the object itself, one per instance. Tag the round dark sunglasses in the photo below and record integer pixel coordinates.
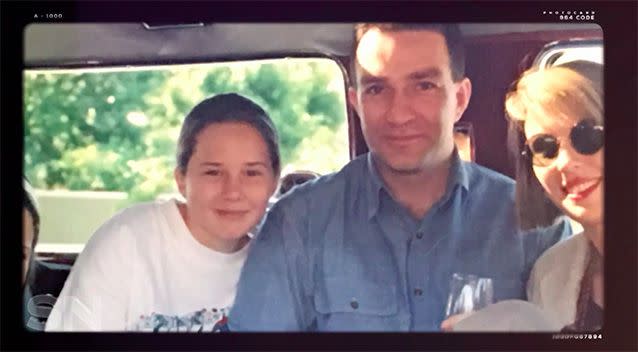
(586, 138)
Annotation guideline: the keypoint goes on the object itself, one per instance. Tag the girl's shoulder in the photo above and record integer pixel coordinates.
(132, 224)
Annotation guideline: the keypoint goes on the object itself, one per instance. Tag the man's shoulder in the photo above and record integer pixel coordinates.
(488, 185)
(483, 175)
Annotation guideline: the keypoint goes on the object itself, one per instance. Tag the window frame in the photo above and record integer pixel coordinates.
(551, 52)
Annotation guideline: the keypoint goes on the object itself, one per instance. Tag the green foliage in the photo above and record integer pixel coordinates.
(116, 131)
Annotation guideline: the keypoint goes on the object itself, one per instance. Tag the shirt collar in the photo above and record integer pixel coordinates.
(374, 187)
(458, 176)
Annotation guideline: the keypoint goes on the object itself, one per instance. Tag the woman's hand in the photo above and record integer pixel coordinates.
(448, 324)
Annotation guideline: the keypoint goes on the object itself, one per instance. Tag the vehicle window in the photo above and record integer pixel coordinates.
(99, 140)
(565, 51)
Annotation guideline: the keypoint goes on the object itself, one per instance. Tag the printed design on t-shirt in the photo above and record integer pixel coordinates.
(213, 320)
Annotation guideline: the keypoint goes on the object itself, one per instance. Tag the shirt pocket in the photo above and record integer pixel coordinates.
(355, 305)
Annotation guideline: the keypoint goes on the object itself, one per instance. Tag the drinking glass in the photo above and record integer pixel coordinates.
(469, 293)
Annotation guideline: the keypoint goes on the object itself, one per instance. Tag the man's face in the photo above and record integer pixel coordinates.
(406, 98)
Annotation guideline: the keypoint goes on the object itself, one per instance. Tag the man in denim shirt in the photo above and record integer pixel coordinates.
(374, 246)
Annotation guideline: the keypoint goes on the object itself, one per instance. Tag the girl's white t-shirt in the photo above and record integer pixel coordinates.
(144, 271)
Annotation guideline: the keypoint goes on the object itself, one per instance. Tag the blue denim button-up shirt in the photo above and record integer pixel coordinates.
(340, 254)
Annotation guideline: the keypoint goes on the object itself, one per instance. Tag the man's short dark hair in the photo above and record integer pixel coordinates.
(450, 31)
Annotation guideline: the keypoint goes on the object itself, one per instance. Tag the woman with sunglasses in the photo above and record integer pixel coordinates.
(556, 121)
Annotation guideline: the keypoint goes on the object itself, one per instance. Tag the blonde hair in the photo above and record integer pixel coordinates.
(570, 90)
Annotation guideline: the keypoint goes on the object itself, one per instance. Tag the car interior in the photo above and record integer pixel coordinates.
(496, 54)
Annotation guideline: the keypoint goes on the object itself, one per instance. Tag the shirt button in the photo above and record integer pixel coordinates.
(418, 292)
(419, 235)
(354, 304)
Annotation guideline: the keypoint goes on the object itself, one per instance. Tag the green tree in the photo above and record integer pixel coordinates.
(68, 113)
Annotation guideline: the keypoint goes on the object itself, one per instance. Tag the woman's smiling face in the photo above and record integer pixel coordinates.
(573, 181)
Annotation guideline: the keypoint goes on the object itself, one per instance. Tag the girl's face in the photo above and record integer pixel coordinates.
(573, 181)
(228, 181)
